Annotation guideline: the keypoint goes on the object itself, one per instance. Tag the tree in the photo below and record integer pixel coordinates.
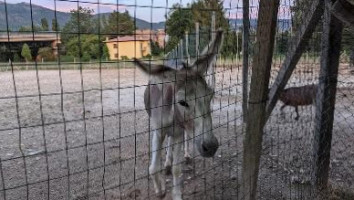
(44, 24)
(26, 52)
(55, 25)
(299, 10)
(118, 24)
(156, 50)
(81, 22)
(105, 53)
(181, 20)
(282, 42)
(87, 46)
(29, 28)
(230, 47)
(16, 58)
(202, 12)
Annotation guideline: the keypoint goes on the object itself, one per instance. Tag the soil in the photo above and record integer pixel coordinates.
(86, 136)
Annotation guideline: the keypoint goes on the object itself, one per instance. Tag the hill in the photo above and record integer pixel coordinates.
(142, 24)
(20, 15)
(283, 24)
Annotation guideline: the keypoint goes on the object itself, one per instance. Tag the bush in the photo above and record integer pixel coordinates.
(85, 57)
(17, 58)
(46, 53)
(105, 52)
(156, 50)
(26, 53)
(148, 56)
(124, 57)
(67, 58)
(90, 45)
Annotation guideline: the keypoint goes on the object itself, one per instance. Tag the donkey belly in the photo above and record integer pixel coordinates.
(296, 101)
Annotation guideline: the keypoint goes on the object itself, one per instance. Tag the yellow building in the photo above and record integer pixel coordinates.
(128, 46)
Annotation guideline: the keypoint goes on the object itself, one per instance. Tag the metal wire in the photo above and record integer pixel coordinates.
(79, 129)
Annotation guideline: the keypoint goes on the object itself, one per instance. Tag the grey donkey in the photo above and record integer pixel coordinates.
(178, 102)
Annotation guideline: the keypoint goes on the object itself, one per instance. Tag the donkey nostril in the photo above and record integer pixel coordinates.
(204, 148)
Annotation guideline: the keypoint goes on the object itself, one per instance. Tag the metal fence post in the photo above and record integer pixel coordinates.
(211, 70)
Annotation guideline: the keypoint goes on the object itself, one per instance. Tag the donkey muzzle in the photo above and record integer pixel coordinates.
(208, 148)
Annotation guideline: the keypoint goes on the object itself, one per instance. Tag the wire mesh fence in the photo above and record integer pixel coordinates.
(74, 122)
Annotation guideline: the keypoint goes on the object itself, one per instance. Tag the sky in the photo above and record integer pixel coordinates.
(149, 10)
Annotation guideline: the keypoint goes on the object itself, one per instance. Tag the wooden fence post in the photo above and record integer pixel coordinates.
(296, 47)
(326, 96)
(245, 53)
(262, 61)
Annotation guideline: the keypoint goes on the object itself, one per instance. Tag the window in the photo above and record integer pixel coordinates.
(116, 55)
(115, 46)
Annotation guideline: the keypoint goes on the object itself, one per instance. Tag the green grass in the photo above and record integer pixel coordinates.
(66, 65)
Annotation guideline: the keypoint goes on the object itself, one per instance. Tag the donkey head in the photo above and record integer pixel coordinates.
(192, 95)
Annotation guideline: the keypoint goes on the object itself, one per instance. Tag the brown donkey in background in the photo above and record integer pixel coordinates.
(298, 96)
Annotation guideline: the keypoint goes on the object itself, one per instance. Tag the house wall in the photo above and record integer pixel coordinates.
(129, 49)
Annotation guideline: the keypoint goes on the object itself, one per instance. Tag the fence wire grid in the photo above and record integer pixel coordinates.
(73, 123)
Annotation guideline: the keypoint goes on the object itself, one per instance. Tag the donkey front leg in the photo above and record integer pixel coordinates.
(177, 166)
(297, 113)
(187, 155)
(155, 166)
(168, 162)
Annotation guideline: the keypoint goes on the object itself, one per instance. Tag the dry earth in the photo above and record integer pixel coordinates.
(85, 136)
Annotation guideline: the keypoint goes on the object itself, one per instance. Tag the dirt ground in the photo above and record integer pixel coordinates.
(86, 136)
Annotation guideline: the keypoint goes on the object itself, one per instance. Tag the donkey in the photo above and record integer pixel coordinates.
(178, 101)
(298, 96)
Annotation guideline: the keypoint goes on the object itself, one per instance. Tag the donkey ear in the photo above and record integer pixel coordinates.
(151, 69)
(209, 54)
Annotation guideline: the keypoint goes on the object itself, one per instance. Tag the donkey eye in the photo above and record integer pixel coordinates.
(183, 103)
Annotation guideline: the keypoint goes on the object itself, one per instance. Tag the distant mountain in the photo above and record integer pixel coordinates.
(142, 24)
(283, 24)
(20, 15)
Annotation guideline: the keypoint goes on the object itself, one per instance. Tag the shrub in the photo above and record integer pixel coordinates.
(46, 53)
(85, 57)
(26, 52)
(124, 57)
(148, 56)
(17, 58)
(67, 58)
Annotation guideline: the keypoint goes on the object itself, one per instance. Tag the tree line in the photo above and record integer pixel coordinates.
(83, 35)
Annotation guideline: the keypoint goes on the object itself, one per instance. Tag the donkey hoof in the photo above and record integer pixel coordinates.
(161, 194)
(168, 170)
(188, 160)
